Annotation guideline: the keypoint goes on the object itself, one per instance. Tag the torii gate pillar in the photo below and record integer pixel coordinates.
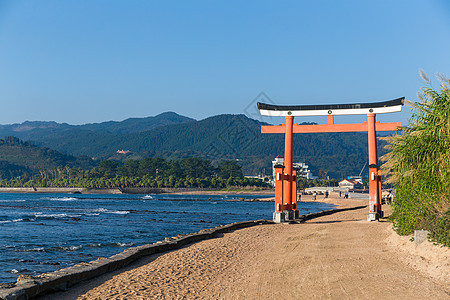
(285, 181)
(375, 211)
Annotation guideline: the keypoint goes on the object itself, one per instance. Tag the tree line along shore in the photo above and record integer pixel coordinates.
(148, 173)
(191, 173)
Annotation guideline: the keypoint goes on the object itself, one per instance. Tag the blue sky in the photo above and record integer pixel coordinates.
(93, 61)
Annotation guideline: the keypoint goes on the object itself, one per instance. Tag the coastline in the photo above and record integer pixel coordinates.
(321, 258)
(182, 191)
(58, 190)
(71, 275)
(237, 252)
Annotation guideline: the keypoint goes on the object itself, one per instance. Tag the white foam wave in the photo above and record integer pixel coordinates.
(71, 248)
(11, 221)
(119, 212)
(107, 211)
(64, 199)
(147, 197)
(13, 200)
(37, 249)
(56, 216)
(124, 244)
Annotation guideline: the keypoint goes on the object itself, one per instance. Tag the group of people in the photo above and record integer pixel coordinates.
(388, 198)
(314, 195)
(345, 195)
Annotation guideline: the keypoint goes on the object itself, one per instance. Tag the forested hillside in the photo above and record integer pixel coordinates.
(18, 158)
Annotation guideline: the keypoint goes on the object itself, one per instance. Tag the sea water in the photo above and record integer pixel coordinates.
(46, 232)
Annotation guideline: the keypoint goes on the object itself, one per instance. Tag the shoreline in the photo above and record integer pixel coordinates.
(66, 277)
(160, 274)
(322, 258)
(131, 191)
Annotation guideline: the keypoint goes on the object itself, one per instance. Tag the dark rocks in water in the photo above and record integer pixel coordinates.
(141, 190)
(7, 285)
(50, 263)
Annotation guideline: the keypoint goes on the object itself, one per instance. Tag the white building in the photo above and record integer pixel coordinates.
(302, 168)
(350, 183)
(303, 171)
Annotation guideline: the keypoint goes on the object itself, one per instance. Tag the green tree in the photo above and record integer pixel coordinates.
(419, 166)
(129, 168)
(108, 168)
(197, 167)
(227, 169)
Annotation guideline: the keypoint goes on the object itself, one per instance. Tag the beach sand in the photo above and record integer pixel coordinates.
(339, 256)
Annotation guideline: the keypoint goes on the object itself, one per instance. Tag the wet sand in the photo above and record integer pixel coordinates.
(339, 256)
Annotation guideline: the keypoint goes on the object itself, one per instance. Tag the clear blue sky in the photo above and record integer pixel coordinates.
(93, 61)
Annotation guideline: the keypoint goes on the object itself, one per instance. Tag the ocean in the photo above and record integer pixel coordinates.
(46, 232)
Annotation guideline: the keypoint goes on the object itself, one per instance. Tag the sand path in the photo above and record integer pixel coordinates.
(340, 256)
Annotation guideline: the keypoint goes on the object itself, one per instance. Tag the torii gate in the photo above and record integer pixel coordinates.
(285, 181)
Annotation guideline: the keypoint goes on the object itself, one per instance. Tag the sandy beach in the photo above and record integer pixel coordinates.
(339, 256)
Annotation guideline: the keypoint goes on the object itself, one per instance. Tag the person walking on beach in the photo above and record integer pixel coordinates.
(390, 197)
(326, 194)
(346, 195)
(314, 195)
(340, 194)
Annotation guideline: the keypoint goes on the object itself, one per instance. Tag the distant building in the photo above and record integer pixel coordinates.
(279, 160)
(123, 151)
(262, 177)
(302, 168)
(303, 171)
(351, 183)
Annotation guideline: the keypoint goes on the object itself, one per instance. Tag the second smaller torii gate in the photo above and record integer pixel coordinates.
(285, 181)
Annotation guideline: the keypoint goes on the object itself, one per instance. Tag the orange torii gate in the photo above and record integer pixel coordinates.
(286, 179)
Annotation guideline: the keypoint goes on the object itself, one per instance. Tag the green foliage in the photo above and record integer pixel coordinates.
(149, 172)
(419, 166)
(227, 169)
(23, 159)
(108, 168)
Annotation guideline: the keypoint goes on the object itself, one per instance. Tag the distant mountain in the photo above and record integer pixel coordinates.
(31, 125)
(231, 137)
(39, 130)
(133, 125)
